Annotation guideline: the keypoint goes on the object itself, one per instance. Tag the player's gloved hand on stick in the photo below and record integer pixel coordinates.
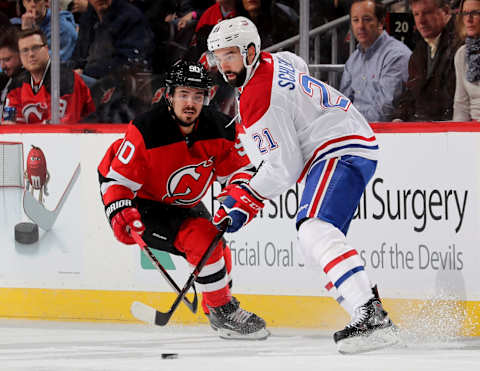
(124, 221)
(239, 205)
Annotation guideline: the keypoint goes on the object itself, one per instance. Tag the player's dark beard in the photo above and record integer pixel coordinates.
(177, 119)
(239, 79)
(192, 109)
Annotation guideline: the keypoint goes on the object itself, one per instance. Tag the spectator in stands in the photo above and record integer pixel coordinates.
(30, 91)
(377, 70)
(10, 8)
(190, 11)
(431, 74)
(466, 104)
(10, 63)
(160, 14)
(222, 9)
(275, 22)
(173, 24)
(113, 34)
(38, 14)
(77, 7)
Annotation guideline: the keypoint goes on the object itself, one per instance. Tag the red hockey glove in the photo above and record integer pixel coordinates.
(126, 219)
(239, 205)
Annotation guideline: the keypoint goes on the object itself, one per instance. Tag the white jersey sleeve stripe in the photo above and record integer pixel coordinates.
(119, 179)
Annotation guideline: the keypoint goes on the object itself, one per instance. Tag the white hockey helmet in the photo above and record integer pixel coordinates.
(240, 32)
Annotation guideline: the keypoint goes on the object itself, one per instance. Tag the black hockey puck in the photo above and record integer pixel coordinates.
(169, 355)
(26, 233)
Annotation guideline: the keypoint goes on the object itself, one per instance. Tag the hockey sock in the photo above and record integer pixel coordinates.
(193, 238)
(217, 298)
(339, 298)
(227, 255)
(325, 246)
(344, 268)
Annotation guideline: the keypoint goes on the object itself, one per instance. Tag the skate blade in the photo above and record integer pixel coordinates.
(232, 335)
(379, 339)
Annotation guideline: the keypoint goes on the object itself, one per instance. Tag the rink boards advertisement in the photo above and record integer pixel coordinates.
(416, 230)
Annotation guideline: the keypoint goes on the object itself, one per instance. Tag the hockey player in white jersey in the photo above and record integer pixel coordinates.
(307, 131)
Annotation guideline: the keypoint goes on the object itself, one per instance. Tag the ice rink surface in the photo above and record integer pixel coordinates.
(69, 346)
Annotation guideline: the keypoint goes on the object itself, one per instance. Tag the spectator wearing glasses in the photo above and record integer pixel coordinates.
(38, 15)
(30, 91)
(466, 104)
(431, 71)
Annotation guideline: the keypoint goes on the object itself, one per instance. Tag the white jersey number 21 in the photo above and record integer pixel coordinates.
(265, 142)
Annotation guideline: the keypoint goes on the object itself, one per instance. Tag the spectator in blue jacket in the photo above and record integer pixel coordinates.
(376, 72)
(113, 34)
(38, 14)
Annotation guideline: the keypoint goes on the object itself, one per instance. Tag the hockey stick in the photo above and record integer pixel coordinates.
(149, 254)
(38, 213)
(148, 314)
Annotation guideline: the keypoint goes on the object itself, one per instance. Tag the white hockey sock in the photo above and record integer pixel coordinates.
(344, 268)
(325, 245)
(339, 298)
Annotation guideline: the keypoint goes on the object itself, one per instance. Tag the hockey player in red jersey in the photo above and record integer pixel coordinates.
(304, 130)
(153, 181)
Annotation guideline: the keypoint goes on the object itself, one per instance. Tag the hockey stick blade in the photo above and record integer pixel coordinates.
(162, 318)
(38, 213)
(149, 254)
(143, 312)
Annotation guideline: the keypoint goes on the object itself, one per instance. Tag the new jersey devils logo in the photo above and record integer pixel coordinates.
(107, 95)
(158, 95)
(38, 110)
(187, 185)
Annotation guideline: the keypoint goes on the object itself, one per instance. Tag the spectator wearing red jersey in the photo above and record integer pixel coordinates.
(30, 92)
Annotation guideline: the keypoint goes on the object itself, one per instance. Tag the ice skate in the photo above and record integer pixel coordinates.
(213, 324)
(370, 329)
(233, 322)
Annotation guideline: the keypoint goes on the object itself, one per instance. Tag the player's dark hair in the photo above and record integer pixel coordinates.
(380, 9)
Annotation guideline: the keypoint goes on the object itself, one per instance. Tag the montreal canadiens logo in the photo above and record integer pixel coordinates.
(187, 185)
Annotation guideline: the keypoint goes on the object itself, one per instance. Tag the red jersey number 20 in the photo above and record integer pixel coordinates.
(126, 151)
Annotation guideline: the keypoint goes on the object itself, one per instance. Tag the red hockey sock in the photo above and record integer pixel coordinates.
(216, 298)
(204, 305)
(227, 256)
